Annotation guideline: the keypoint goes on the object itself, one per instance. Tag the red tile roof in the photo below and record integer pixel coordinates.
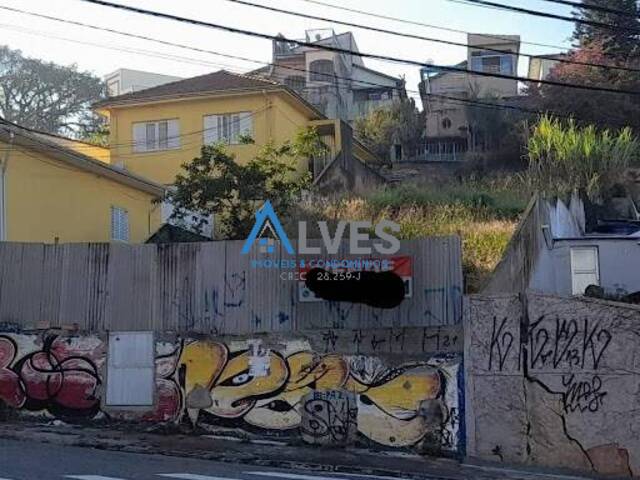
(211, 82)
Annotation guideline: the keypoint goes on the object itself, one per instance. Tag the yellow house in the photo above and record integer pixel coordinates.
(156, 130)
(54, 189)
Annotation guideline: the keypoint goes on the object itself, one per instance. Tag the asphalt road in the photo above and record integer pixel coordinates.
(41, 461)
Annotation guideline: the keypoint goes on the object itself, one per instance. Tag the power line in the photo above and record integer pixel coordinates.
(387, 58)
(345, 80)
(421, 24)
(280, 78)
(428, 39)
(598, 8)
(527, 11)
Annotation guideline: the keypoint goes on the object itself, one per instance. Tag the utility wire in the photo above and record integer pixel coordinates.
(421, 24)
(374, 56)
(598, 8)
(527, 11)
(345, 81)
(428, 39)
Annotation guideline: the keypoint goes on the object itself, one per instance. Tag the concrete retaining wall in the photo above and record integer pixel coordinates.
(553, 381)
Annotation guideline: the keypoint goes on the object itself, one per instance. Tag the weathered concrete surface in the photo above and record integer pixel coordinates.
(554, 381)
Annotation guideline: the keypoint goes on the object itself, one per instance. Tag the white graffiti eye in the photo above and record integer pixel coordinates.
(241, 379)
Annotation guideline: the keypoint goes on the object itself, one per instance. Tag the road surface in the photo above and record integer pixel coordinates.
(42, 461)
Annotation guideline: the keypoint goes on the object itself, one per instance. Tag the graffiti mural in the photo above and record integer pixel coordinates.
(244, 384)
(219, 382)
(52, 373)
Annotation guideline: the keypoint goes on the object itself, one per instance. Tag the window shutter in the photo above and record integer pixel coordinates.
(211, 129)
(163, 135)
(150, 138)
(235, 131)
(223, 133)
(119, 224)
(246, 123)
(173, 133)
(139, 137)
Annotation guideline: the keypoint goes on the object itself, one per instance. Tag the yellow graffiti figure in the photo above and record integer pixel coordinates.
(236, 390)
(307, 372)
(203, 363)
(389, 409)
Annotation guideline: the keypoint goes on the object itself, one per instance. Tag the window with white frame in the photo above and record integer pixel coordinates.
(228, 127)
(584, 269)
(490, 62)
(119, 224)
(156, 135)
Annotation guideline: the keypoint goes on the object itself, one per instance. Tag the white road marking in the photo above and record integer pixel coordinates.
(92, 477)
(294, 476)
(362, 475)
(192, 476)
(524, 473)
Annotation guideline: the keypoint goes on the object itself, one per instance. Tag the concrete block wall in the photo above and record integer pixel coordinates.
(554, 382)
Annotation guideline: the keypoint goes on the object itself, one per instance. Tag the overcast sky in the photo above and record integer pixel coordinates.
(102, 52)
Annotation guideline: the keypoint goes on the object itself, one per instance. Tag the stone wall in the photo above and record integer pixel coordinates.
(553, 381)
(385, 387)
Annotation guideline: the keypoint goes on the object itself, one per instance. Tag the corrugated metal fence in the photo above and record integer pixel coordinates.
(203, 287)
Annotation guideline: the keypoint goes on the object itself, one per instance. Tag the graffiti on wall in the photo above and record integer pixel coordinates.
(329, 417)
(564, 369)
(389, 399)
(244, 384)
(59, 375)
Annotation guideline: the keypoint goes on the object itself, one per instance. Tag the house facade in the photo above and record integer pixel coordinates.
(446, 95)
(540, 66)
(563, 249)
(336, 83)
(155, 131)
(55, 190)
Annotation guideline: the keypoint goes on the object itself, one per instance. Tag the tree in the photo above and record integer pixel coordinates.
(566, 158)
(401, 123)
(620, 41)
(611, 109)
(48, 97)
(215, 184)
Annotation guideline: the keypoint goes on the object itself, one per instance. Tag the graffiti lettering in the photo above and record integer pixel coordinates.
(582, 396)
(570, 344)
(501, 344)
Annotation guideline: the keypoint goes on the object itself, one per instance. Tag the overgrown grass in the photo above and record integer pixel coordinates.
(484, 214)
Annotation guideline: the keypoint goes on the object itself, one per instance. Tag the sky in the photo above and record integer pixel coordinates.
(102, 53)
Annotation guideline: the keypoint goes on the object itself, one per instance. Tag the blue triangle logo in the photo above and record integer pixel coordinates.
(266, 218)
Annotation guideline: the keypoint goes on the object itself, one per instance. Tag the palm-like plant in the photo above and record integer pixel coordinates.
(564, 158)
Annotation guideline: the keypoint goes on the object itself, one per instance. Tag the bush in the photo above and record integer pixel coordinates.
(483, 214)
(566, 158)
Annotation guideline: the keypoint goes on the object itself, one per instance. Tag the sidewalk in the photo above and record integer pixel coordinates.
(261, 452)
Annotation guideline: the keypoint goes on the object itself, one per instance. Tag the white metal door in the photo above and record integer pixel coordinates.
(130, 373)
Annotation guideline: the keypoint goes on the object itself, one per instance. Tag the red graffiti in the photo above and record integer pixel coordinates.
(168, 403)
(10, 391)
(59, 377)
